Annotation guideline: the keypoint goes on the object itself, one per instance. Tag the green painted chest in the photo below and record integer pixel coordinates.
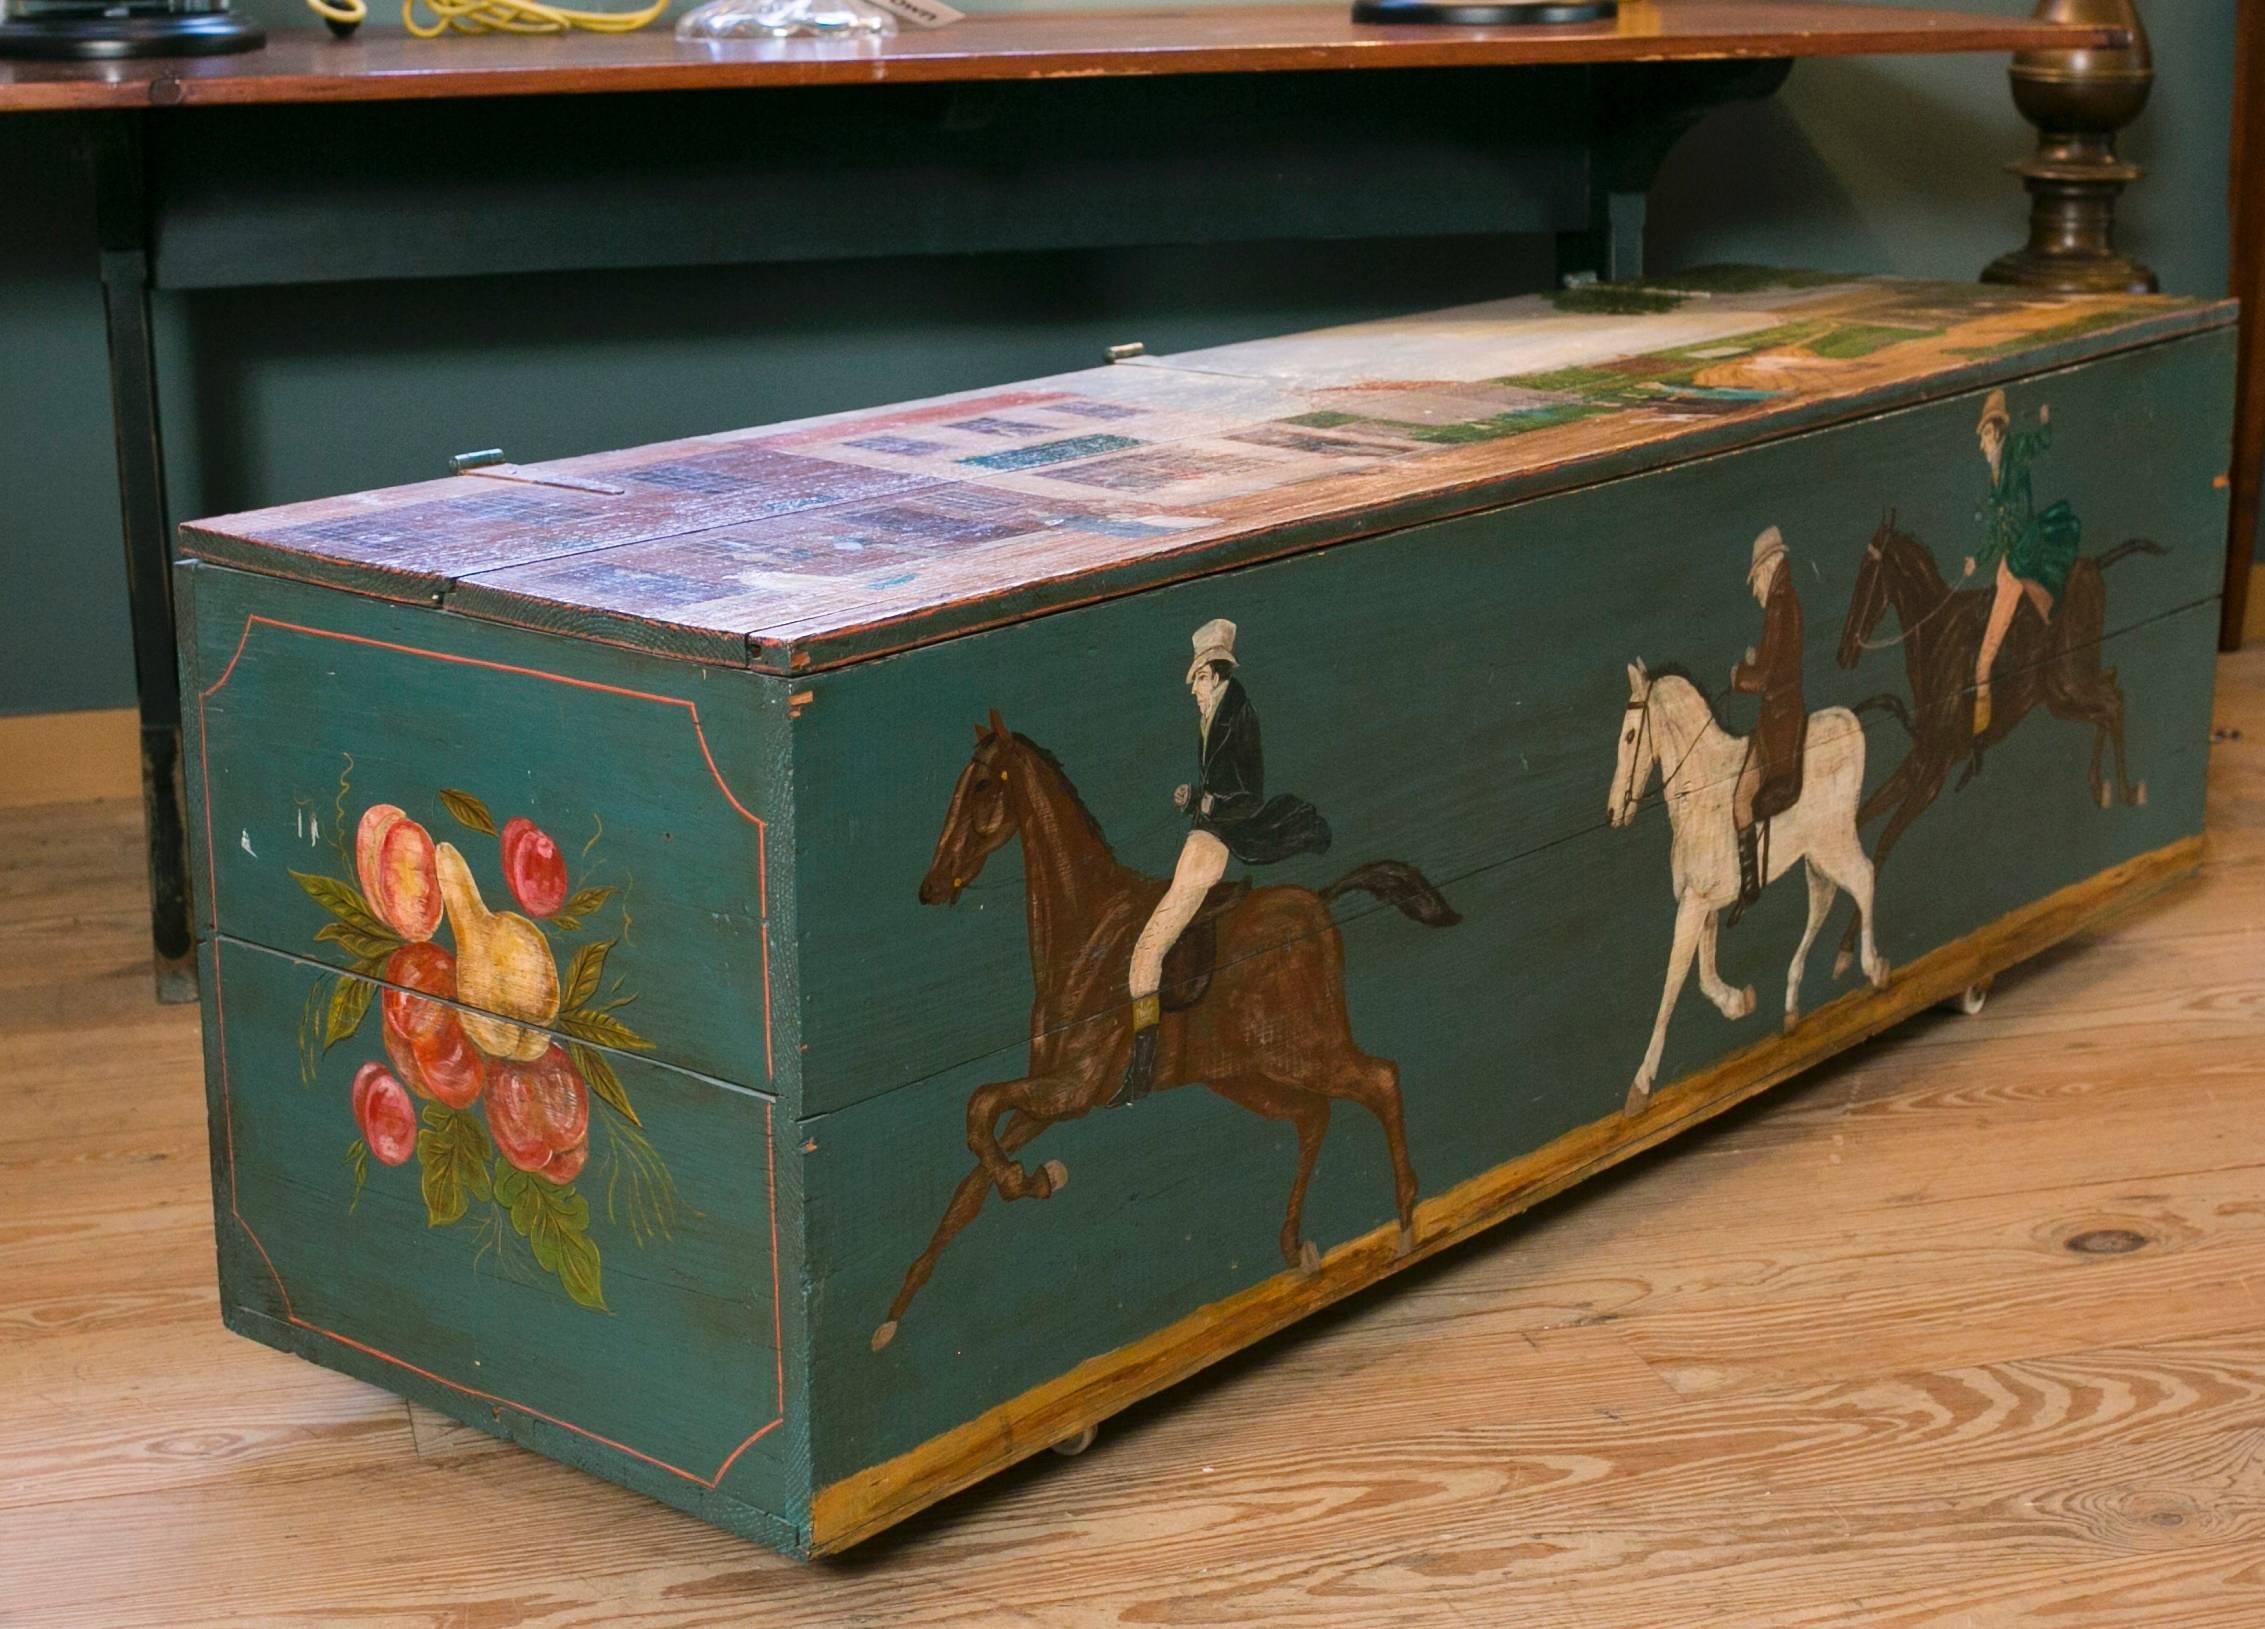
(794, 968)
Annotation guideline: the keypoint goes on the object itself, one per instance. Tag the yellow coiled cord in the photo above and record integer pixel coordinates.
(490, 16)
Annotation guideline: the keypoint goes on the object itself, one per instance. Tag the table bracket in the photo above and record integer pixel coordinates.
(1637, 113)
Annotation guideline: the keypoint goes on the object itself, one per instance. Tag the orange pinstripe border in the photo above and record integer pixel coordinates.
(220, 1022)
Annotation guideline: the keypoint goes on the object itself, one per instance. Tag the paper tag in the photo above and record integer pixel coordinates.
(924, 13)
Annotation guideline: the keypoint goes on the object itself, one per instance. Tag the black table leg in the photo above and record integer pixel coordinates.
(122, 222)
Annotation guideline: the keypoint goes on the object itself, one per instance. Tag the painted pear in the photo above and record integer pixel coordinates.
(503, 966)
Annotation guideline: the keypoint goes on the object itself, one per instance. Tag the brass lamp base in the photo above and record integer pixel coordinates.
(2078, 100)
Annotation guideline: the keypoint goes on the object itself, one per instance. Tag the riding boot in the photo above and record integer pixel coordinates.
(1140, 1070)
(1749, 871)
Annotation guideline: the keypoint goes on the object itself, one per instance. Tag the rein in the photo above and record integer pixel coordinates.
(1950, 595)
(1637, 759)
(1146, 834)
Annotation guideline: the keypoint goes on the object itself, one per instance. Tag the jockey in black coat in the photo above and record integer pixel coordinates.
(1229, 815)
(1232, 804)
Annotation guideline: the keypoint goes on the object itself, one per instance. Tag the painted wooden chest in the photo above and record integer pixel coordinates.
(703, 946)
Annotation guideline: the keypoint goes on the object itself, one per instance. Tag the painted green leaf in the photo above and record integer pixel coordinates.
(358, 942)
(555, 1222)
(344, 901)
(468, 810)
(570, 915)
(602, 1029)
(358, 1162)
(578, 1271)
(584, 973)
(349, 1005)
(598, 1075)
(453, 1152)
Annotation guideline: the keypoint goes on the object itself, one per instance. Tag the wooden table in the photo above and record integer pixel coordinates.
(312, 67)
(2247, 206)
(1004, 132)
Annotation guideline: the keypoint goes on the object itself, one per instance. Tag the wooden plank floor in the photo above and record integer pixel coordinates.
(1965, 1330)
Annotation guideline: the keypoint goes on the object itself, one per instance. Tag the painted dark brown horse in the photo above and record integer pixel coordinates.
(1270, 1034)
(2053, 664)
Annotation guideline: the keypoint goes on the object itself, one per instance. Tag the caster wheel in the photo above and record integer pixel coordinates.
(1071, 1447)
(1970, 1000)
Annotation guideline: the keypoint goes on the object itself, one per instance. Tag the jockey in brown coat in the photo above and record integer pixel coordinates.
(1769, 783)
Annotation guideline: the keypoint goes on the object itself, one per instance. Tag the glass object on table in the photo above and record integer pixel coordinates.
(778, 19)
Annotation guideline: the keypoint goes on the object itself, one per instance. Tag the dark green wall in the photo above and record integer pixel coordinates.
(1878, 166)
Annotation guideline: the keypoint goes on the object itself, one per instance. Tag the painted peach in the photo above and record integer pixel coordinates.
(505, 975)
(393, 859)
(425, 1038)
(533, 867)
(539, 1115)
(387, 1118)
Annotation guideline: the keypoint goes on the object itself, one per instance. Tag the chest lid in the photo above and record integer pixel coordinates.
(801, 546)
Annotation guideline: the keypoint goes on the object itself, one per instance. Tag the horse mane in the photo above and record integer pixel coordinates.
(1077, 799)
(1890, 535)
(1676, 670)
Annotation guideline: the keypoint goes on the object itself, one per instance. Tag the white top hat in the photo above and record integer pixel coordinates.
(1214, 642)
(1767, 547)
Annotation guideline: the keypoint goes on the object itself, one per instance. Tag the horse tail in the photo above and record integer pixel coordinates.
(1401, 885)
(2136, 545)
(1885, 702)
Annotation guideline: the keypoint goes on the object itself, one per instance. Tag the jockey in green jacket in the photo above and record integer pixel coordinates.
(2032, 551)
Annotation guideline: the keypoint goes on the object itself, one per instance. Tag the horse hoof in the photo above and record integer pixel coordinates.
(1638, 1095)
(1309, 1257)
(1070, 1447)
(2139, 795)
(1406, 1243)
(1746, 1001)
(1057, 1177)
(2106, 795)
(1878, 973)
(885, 1334)
(1841, 963)
(1792, 1020)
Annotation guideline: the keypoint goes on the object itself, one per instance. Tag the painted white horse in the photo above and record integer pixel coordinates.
(1670, 728)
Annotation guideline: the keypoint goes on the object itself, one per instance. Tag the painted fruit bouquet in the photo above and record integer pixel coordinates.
(504, 1053)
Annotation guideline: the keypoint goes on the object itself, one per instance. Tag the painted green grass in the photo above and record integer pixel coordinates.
(1569, 381)
(1504, 425)
(1863, 338)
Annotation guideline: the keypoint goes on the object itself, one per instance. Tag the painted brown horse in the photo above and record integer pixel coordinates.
(1270, 1034)
(2053, 664)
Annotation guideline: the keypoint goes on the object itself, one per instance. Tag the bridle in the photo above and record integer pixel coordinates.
(954, 820)
(1639, 757)
(1638, 760)
(1873, 553)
